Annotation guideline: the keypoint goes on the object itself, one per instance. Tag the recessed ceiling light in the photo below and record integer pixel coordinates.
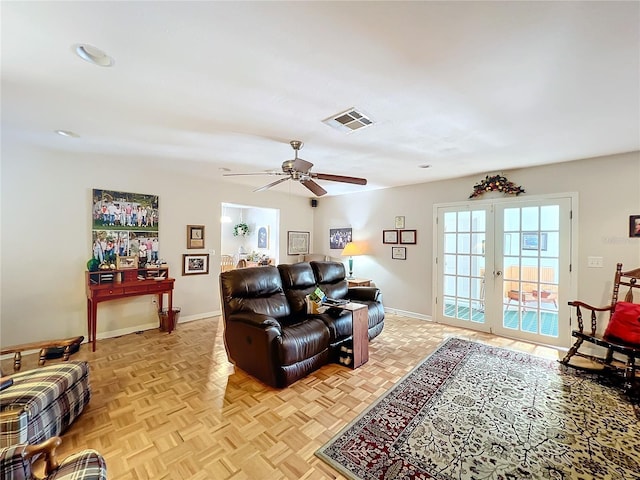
(94, 55)
(424, 166)
(67, 133)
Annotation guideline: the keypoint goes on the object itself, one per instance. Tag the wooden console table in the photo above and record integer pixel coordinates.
(105, 285)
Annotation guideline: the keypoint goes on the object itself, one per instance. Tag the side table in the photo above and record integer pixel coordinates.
(360, 332)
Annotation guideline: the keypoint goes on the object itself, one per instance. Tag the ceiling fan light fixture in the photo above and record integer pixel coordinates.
(349, 121)
(93, 55)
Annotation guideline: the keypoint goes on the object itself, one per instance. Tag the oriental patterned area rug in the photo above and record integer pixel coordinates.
(472, 411)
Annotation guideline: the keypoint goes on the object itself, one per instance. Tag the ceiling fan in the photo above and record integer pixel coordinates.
(300, 170)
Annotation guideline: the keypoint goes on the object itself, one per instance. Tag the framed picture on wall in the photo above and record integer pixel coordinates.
(389, 236)
(263, 237)
(399, 253)
(399, 222)
(297, 243)
(339, 237)
(408, 237)
(634, 226)
(195, 264)
(195, 236)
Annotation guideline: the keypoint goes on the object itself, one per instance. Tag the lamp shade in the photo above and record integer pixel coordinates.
(352, 249)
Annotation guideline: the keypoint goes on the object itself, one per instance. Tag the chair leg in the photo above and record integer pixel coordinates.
(572, 351)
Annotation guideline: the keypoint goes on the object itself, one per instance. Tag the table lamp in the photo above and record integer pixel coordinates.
(351, 249)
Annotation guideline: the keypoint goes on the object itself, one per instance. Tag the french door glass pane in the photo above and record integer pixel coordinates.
(463, 269)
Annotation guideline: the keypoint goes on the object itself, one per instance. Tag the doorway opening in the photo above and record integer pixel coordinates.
(249, 235)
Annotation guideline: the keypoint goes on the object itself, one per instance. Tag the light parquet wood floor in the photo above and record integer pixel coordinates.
(170, 406)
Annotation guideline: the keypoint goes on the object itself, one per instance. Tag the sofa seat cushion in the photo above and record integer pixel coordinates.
(302, 341)
(33, 390)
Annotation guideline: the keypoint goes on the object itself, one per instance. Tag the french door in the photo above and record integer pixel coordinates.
(504, 267)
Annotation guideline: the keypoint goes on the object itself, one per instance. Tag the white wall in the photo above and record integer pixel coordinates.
(45, 237)
(609, 192)
(45, 240)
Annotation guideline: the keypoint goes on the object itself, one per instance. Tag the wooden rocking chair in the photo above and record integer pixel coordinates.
(613, 344)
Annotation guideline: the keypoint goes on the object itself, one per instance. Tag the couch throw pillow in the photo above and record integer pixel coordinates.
(625, 323)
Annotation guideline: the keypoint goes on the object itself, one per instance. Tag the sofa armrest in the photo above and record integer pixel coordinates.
(371, 294)
(255, 320)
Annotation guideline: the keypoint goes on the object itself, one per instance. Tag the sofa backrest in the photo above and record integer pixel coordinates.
(331, 278)
(255, 289)
(298, 281)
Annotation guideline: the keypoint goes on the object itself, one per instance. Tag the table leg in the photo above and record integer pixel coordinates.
(94, 324)
(171, 318)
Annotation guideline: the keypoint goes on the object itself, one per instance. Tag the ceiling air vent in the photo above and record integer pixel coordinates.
(349, 121)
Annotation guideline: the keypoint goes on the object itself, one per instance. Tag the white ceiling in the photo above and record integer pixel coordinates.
(467, 87)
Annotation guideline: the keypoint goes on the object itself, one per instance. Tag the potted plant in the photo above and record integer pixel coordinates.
(241, 229)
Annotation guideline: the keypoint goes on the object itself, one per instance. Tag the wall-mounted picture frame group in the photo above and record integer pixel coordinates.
(634, 226)
(195, 236)
(195, 264)
(408, 237)
(399, 253)
(339, 237)
(297, 243)
(390, 236)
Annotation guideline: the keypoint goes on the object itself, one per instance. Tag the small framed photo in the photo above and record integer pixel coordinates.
(399, 222)
(408, 237)
(125, 263)
(399, 253)
(634, 226)
(195, 236)
(297, 243)
(389, 236)
(196, 264)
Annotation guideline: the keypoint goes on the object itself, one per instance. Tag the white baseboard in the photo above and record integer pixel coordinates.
(404, 313)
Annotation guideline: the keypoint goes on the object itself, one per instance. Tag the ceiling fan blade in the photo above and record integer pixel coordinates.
(272, 184)
(339, 178)
(314, 187)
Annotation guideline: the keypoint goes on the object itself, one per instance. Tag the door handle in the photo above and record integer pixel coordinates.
(498, 273)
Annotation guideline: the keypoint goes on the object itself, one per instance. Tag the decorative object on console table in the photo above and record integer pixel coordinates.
(297, 243)
(399, 222)
(195, 236)
(351, 250)
(124, 263)
(195, 264)
(390, 236)
(399, 253)
(408, 237)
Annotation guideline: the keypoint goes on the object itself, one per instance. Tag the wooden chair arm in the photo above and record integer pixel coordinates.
(594, 320)
(17, 350)
(48, 448)
(577, 303)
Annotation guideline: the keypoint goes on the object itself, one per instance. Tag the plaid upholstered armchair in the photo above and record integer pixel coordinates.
(41, 403)
(15, 463)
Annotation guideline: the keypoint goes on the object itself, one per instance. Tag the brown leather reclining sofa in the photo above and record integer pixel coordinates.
(268, 332)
